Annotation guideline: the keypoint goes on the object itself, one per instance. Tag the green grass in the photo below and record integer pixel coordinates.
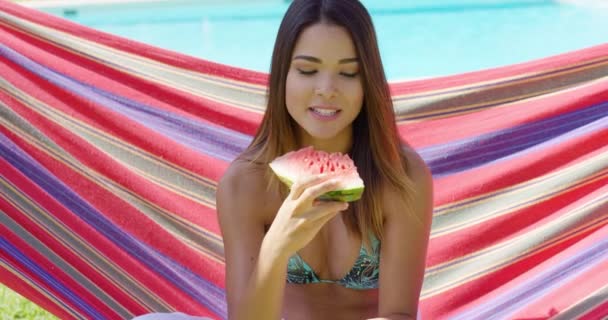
(14, 306)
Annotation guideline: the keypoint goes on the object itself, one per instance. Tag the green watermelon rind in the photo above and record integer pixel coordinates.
(344, 195)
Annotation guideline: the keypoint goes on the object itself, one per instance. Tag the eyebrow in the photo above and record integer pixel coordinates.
(317, 60)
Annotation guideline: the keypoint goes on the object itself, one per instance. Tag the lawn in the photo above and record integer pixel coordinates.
(14, 306)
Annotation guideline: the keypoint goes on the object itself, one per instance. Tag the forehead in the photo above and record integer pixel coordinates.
(330, 43)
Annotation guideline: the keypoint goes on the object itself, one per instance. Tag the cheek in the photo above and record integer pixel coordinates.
(356, 96)
(295, 91)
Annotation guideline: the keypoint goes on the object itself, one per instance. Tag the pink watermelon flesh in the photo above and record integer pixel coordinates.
(296, 165)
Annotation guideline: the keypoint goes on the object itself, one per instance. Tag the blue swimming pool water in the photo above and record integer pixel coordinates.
(418, 38)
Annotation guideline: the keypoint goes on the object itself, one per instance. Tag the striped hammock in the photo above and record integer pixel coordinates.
(111, 151)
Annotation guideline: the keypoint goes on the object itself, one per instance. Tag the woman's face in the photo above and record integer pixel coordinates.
(324, 91)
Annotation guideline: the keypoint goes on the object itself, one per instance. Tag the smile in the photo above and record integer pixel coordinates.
(324, 114)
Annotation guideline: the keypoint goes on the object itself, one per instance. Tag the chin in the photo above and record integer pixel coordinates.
(320, 135)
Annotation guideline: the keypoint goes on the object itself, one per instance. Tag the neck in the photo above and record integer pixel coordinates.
(341, 143)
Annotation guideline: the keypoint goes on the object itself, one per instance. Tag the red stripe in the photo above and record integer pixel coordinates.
(134, 47)
(25, 289)
(110, 207)
(474, 289)
(208, 67)
(128, 219)
(598, 313)
(112, 123)
(543, 307)
(118, 126)
(559, 299)
(78, 227)
(498, 175)
(144, 91)
(451, 302)
(42, 263)
(48, 265)
(431, 132)
(548, 64)
(505, 227)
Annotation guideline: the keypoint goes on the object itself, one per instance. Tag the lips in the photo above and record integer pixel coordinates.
(324, 110)
(324, 107)
(324, 113)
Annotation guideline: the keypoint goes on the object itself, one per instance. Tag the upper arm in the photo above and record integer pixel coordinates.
(405, 243)
(242, 226)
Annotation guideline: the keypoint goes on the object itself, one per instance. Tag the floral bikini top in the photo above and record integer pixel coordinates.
(363, 275)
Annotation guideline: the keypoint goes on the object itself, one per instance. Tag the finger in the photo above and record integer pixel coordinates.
(315, 191)
(299, 186)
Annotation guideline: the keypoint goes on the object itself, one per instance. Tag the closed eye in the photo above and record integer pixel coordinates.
(307, 72)
(350, 75)
(311, 72)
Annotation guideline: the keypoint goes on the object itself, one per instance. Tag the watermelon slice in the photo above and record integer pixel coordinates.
(305, 162)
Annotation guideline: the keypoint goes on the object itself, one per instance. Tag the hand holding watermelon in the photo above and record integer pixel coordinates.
(301, 216)
(321, 184)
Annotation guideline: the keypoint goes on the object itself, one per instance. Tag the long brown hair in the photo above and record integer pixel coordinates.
(377, 149)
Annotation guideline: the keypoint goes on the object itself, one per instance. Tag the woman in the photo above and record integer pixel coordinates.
(290, 256)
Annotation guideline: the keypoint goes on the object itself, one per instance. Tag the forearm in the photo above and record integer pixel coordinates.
(263, 298)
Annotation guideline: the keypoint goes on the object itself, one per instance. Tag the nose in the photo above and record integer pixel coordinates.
(326, 87)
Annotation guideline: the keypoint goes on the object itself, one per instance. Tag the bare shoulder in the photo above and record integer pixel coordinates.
(241, 175)
(243, 186)
(420, 174)
(417, 169)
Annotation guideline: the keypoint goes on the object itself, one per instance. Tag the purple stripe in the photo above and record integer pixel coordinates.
(508, 303)
(214, 141)
(59, 289)
(198, 288)
(465, 154)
